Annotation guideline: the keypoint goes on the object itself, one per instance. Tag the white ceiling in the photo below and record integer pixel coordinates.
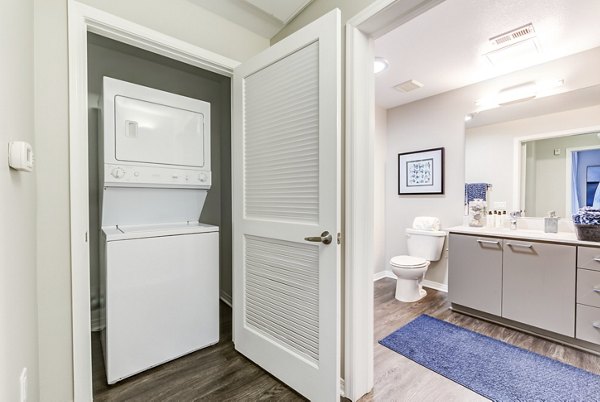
(443, 47)
(264, 17)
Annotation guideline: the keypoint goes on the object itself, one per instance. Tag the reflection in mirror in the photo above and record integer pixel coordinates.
(561, 174)
(542, 154)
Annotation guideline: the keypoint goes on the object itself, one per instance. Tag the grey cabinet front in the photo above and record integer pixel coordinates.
(475, 272)
(539, 285)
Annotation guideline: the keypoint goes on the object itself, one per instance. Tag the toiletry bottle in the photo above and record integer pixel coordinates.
(504, 219)
(495, 220)
(490, 220)
(551, 223)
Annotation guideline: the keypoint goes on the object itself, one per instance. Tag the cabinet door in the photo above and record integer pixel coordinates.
(539, 285)
(475, 272)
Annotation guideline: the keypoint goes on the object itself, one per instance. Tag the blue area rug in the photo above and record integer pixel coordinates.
(490, 367)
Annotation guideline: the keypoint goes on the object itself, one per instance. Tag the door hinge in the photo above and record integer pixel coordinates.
(339, 238)
(86, 235)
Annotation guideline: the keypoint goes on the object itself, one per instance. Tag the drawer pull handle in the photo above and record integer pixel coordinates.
(596, 289)
(596, 324)
(519, 245)
(488, 242)
(597, 259)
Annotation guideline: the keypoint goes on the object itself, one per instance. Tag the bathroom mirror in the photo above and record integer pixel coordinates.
(541, 154)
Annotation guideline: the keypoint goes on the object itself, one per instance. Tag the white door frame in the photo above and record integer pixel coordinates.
(569, 170)
(81, 20)
(374, 21)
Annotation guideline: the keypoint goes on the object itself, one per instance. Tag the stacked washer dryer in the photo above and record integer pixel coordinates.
(160, 266)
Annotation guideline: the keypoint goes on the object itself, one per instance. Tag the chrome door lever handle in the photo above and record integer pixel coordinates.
(325, 238)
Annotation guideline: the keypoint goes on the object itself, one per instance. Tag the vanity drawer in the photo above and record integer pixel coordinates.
(588, 324)
(588, 287)
(588, 258)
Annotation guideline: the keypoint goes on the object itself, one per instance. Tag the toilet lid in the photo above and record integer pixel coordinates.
(408, 261)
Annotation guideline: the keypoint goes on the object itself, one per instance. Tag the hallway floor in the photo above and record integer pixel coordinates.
(400, 379)
(217, 373)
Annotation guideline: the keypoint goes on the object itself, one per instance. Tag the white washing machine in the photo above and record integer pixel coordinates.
(160, 266)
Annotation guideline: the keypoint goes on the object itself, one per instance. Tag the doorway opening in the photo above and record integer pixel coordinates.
(414, 115)
(109, 58)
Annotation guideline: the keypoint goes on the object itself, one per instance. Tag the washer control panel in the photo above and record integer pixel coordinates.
(145, 176)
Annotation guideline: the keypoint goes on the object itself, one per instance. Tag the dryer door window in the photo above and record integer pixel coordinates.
(148, 132)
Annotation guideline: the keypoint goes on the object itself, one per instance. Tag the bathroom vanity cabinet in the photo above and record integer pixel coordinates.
(479, 288)
(548, 287)
(538, 285)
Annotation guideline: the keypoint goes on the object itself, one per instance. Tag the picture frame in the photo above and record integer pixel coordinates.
(421, 172)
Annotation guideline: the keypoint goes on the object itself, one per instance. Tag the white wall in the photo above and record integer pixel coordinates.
(380, 188)
(495, 142)
(430, 123)
(18, 309)
(184, 20)
(317, 8)
(178, 18)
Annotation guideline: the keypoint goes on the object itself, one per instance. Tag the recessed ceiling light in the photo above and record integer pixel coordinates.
(380, 64)
(408, 86)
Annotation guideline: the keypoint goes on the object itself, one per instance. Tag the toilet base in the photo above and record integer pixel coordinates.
(409, 290)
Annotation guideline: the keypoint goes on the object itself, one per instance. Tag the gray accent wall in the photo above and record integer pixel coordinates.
(113, 59)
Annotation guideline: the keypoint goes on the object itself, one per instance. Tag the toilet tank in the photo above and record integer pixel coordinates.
(427, 244)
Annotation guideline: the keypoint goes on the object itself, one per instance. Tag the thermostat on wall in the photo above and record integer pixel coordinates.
(20, 156)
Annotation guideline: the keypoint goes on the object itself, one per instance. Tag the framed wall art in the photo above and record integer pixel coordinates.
(421, 172)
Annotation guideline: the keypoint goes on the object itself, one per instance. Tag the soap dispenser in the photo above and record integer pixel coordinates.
(551, 223)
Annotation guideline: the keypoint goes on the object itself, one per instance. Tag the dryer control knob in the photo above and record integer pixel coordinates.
(117, 173)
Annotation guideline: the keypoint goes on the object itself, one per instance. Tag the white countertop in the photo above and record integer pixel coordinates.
(523, 234)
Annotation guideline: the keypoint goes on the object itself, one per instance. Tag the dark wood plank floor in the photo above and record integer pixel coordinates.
(400, 379)
(220, 373)
(216, 373)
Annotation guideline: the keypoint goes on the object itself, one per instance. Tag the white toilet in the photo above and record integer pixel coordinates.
(425, 244)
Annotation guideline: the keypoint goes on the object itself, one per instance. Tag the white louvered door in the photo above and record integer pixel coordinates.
(286, 187)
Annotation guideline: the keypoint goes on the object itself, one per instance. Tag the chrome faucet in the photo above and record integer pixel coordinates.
(513, 219)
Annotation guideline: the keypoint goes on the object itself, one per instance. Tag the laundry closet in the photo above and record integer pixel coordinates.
(159, 141)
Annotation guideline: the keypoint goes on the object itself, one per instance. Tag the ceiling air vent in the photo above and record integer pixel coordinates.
(511, 37)
(408, 86)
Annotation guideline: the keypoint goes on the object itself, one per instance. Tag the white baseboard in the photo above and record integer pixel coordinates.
(435, 285)
(383, 274)
(225, 297)
(426, 282)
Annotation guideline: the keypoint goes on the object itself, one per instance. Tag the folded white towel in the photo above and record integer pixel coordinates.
(426, 223)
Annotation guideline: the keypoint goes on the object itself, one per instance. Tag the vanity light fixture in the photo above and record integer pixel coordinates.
(519, 93)
(380, 64)
(468, 117)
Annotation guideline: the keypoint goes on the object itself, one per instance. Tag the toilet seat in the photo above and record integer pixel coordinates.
(409, 262)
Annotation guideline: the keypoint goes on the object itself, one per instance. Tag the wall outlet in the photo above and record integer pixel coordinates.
(23, 382)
